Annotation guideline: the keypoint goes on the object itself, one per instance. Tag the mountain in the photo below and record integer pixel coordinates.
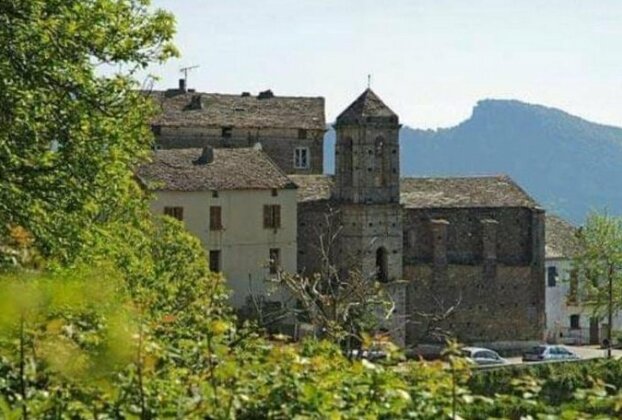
(566, 163)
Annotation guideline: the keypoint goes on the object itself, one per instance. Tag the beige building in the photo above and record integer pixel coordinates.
(241, 206)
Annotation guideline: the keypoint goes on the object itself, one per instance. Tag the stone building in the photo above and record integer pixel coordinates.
(239, 204)
(459, 255)
(290, 129)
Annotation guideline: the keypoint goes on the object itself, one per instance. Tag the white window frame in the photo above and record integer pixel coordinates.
(298, 158)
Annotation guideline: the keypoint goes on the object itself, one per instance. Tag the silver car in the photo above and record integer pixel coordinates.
(548, 353)
(483, 357)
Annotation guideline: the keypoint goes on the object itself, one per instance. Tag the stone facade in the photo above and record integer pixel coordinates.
(475, 273)
(278, 143)
(460, 256)
(289, 129)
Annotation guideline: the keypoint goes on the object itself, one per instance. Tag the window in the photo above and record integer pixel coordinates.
(301, 158)
(552, 276)
(382, 274)
(215, 218)
(176, 212)
(271, 216)
(226, 132)
(275, 260)
(214, 261)
(275, 192)
(302, 134)
(575, 322)
(214, 194)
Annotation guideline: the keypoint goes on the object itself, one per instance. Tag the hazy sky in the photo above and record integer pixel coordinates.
(430, 60)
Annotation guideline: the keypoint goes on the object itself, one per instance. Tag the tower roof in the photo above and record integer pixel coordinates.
(365, 106)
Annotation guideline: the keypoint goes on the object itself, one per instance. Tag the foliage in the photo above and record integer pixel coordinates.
(600, 261)
(55, 341)
(69, 137)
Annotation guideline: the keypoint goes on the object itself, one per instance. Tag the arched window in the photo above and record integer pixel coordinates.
(347, 160)
(379, 146)
(382, 265)
(381, 162)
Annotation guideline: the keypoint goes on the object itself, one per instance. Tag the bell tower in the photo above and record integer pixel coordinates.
(367, 188)
(367, 152)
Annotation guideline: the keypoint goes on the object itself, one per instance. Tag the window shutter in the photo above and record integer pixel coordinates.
(215, 218)
(266, 216)
(277, 216)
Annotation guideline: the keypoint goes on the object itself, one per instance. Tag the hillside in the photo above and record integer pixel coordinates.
(568, 164)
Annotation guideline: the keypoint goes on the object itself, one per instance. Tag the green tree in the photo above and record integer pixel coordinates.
(599, 267)
(70, 137)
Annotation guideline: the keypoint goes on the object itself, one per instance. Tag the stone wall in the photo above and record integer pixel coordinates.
(367, 163)
(483, 266)
(316, 219)
(360, 231)
(465, 232)
(278, 143)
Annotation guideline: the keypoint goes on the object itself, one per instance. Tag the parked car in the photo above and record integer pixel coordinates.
(371, 354)
(548, 353)
(483, 357)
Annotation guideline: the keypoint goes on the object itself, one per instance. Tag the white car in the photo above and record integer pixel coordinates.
(483, 357)
(548, 353)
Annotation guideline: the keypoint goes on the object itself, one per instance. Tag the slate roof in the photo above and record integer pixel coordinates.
(560, 238)
(221, 110)
(231, 169)
(313, 187)
(486, 191)
(366, 105)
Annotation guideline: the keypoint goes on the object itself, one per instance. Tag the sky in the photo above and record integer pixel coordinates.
(429, 60)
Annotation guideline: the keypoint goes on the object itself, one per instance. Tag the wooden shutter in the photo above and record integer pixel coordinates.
(267, 216)
(276, 210)
(215, 218)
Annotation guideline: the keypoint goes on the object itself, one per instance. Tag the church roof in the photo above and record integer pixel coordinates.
(476, 191)
(560, 238)
(313, 187)
(462, 192)
(365, 106)
(222, 110)
(230, 169)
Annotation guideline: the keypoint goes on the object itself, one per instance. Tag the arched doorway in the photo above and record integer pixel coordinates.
(382, 265)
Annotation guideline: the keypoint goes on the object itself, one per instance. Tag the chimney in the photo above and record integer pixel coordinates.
(266, 94)
(207, 156)
(182, 85)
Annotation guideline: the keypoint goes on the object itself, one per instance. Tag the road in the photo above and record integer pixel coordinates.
(586, 352)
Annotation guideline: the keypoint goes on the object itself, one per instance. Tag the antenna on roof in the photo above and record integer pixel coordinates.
(185, 71)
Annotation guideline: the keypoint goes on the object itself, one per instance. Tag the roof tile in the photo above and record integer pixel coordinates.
(221, 110)
(231, 169)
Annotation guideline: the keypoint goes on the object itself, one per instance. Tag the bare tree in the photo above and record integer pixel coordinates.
(342, 303)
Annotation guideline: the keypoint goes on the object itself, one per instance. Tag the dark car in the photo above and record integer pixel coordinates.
(548, 353)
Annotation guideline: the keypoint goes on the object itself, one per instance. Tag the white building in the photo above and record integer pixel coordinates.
(567, 321)
(241, 206)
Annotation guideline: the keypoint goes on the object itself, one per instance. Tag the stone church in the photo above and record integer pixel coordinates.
(460, 256)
